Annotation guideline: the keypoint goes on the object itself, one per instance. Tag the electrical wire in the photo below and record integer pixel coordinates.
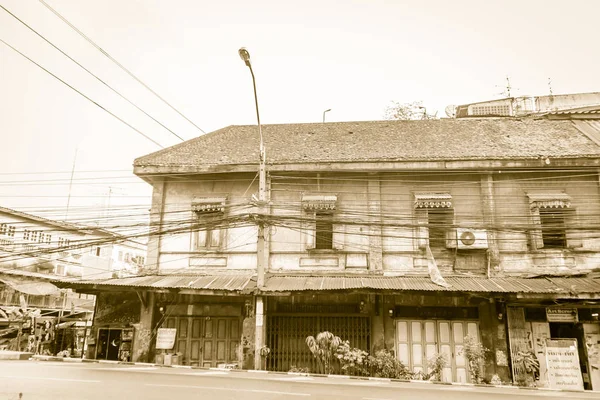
(81, 94)
(90, 72)
(111, 58)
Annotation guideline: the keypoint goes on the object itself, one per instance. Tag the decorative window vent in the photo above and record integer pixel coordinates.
(549, 200)
(319, 202)
(433, 200)
(209, 204)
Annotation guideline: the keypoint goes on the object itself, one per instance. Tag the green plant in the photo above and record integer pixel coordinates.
(528, 362)
(324, 348)
(435, 366)
(475, 354)
(385, 365)
(353, 360)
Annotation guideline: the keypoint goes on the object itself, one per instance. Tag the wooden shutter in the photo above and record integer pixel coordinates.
(309, 231)
(536, 240)
(573, 231)
(338, 236)
(421, 229)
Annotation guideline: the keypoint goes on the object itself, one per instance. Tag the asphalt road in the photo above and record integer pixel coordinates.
(44, 380)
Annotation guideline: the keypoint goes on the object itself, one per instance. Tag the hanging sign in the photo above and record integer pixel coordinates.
(562, 362)
(165, 338)
(561, 315)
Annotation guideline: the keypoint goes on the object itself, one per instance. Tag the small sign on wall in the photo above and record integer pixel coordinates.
(165, 338)
(562, 315)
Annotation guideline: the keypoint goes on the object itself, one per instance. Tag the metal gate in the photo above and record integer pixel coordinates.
(286, 337)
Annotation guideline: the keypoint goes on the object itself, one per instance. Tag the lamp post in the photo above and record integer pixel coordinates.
(262, 257)
(262, 180)
(329, 109)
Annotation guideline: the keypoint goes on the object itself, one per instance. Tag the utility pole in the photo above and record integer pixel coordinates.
(262, 255)
(71, 184)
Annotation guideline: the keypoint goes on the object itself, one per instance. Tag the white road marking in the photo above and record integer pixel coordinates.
(232, 390)
(374, 398)
(50, 379)
(206, 373)
(127, 369)
(294, 378)
(369, 383)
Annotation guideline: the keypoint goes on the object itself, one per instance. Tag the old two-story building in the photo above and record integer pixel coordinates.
(398, 235)
(34, 250)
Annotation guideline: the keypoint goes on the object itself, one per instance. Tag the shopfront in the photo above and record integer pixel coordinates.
(531, 327)
(423, 332)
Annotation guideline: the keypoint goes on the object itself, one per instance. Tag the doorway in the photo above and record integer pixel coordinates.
(109, 342)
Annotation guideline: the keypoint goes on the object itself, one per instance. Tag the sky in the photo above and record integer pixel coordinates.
(353, 57)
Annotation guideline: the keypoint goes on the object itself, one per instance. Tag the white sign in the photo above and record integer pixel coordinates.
(165, 338)
(562, 361)
(561, 314)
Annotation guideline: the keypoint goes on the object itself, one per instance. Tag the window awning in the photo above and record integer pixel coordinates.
(549, 200)
(209, 204)
(433, 200)
(318, 202)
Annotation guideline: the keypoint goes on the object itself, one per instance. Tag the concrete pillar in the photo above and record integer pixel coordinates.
(489, 218)
(156, 221)
(259, 334)
(389, 326)
(491, 329)
(248, 333)
(144, 330)
(377, 326)
(374, 206)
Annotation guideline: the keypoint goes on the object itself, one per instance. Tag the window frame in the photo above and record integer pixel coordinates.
(208, 234)
(557, 203)
(440, 203)
(314, 207)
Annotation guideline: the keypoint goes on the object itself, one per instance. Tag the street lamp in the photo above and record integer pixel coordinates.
(262, 257)
(245, 56)
(329, 109)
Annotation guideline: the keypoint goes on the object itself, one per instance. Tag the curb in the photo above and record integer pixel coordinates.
(330, 376)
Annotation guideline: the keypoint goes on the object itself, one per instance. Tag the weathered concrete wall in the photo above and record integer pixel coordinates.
(177, 245)
(514, 221)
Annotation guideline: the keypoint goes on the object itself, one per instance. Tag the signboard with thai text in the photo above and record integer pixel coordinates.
(165, 338)
(562, 362)
(561, 314)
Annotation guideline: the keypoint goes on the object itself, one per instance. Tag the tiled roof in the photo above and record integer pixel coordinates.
(567, 286)
(443, 139)
(198, 282)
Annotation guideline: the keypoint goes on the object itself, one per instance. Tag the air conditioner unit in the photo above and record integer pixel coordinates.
(468, 238)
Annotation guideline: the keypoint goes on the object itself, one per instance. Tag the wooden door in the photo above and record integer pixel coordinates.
(418, 341)
(221, 339)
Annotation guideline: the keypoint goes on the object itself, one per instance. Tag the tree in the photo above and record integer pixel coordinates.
(408, 111)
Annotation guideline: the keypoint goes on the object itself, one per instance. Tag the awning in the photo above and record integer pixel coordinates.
(229, 282)
(30, 287)
(566, 286)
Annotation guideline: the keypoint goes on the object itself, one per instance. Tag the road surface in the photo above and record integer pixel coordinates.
(44, 380)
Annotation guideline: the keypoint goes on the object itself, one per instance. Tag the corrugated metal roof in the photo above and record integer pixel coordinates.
(423, 283)
(199, 282)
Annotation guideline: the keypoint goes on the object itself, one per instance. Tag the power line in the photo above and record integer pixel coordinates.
(118, 64)
(83, 95)
(90, 72)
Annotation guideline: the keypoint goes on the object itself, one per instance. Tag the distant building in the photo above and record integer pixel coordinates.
(33, 250)
(527, 105)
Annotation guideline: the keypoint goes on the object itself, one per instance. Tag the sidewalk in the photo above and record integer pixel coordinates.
(333, 377)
